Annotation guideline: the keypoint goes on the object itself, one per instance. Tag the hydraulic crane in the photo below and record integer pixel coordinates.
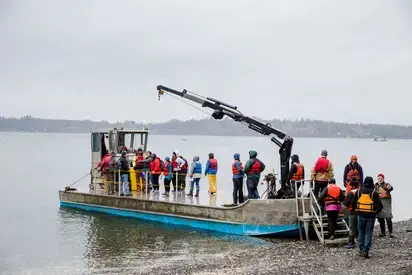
(222, 109)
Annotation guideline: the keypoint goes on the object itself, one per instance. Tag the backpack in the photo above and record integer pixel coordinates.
(162, 165)
(112, 164)
(365, 202)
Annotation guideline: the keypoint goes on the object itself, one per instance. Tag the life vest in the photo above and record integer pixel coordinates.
(365, 203)
(198, 168)
(353, 192)
(256, 167)
(235, 171)
(322, 165)
(184, 166)
(333, 195)
(298, 175)
(174, 163)
(212, 164)
(166, 168)
(353, 173)
(136, 159)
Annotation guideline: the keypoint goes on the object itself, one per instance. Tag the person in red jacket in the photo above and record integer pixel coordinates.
(155, 171)
(104, 165)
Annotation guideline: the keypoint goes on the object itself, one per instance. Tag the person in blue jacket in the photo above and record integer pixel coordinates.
(210, 172)
(195, 173)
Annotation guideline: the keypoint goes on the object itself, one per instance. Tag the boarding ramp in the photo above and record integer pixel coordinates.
(314, 218)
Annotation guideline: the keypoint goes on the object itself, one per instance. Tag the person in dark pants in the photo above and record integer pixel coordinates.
(353, 217)
(384, 190)
(253, 168)
(155, 171)
(321, 173)
(296, 173)
(331, 198)
(168, 175)
(238, 175)
(367, 203)
(182, 169)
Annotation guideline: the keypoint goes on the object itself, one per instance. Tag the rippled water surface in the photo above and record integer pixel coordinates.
(38, 237)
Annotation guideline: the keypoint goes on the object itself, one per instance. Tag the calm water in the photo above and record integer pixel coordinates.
(37, 237)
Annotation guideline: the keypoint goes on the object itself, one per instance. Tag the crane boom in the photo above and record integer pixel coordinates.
(221, 109)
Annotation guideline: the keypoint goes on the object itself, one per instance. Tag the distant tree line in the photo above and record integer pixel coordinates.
(209, 126)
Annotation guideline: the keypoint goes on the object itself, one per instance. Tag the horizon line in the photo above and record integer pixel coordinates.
(206, 118)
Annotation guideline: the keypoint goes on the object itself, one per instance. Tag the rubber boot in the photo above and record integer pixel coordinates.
(390, 227)
(382, 226)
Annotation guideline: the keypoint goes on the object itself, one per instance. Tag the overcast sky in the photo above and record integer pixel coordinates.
(102, 60)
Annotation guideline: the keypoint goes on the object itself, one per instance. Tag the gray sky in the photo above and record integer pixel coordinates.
(332, 60)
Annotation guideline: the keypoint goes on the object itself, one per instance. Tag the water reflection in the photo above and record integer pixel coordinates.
(112, 242)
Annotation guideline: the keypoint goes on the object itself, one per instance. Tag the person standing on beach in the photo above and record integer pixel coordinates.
(352, 171)
(384, 190)
(321, 172)
(253, 168)
(331, 197)
(238, 175)
(367, 203)
(353, 224)
(210, 172)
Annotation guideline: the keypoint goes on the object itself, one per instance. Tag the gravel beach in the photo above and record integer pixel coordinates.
(387, 256)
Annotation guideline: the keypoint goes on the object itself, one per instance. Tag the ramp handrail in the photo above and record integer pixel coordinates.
(302, 197)
(314, 213)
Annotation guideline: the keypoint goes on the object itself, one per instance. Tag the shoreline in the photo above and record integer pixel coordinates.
(387, 256)
(212, 135)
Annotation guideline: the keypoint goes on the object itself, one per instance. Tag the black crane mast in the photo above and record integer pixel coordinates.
(221, 109)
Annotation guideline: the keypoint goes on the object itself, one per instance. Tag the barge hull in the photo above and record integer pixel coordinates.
(212, 225)
(253, 218)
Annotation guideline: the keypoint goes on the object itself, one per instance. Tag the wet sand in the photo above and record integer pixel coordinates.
(387, 256)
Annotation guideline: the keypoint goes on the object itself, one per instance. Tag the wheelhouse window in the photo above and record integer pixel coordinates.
(95, 142)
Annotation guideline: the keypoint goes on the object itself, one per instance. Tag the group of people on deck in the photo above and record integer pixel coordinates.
(175, 171)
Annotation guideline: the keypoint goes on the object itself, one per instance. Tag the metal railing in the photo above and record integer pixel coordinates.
(116, 179)
(302, 197)
(319, 217)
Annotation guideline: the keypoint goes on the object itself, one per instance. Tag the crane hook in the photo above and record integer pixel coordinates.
(159, 94)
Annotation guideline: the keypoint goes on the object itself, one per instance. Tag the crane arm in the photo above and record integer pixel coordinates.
(222, 109)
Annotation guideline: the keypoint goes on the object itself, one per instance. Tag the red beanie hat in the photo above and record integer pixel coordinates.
(381, 175)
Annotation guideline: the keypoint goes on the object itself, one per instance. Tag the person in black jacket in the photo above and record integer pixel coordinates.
(353, 170)
(123, 165)
(353, 217)
(296, 173)
(367, 204)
